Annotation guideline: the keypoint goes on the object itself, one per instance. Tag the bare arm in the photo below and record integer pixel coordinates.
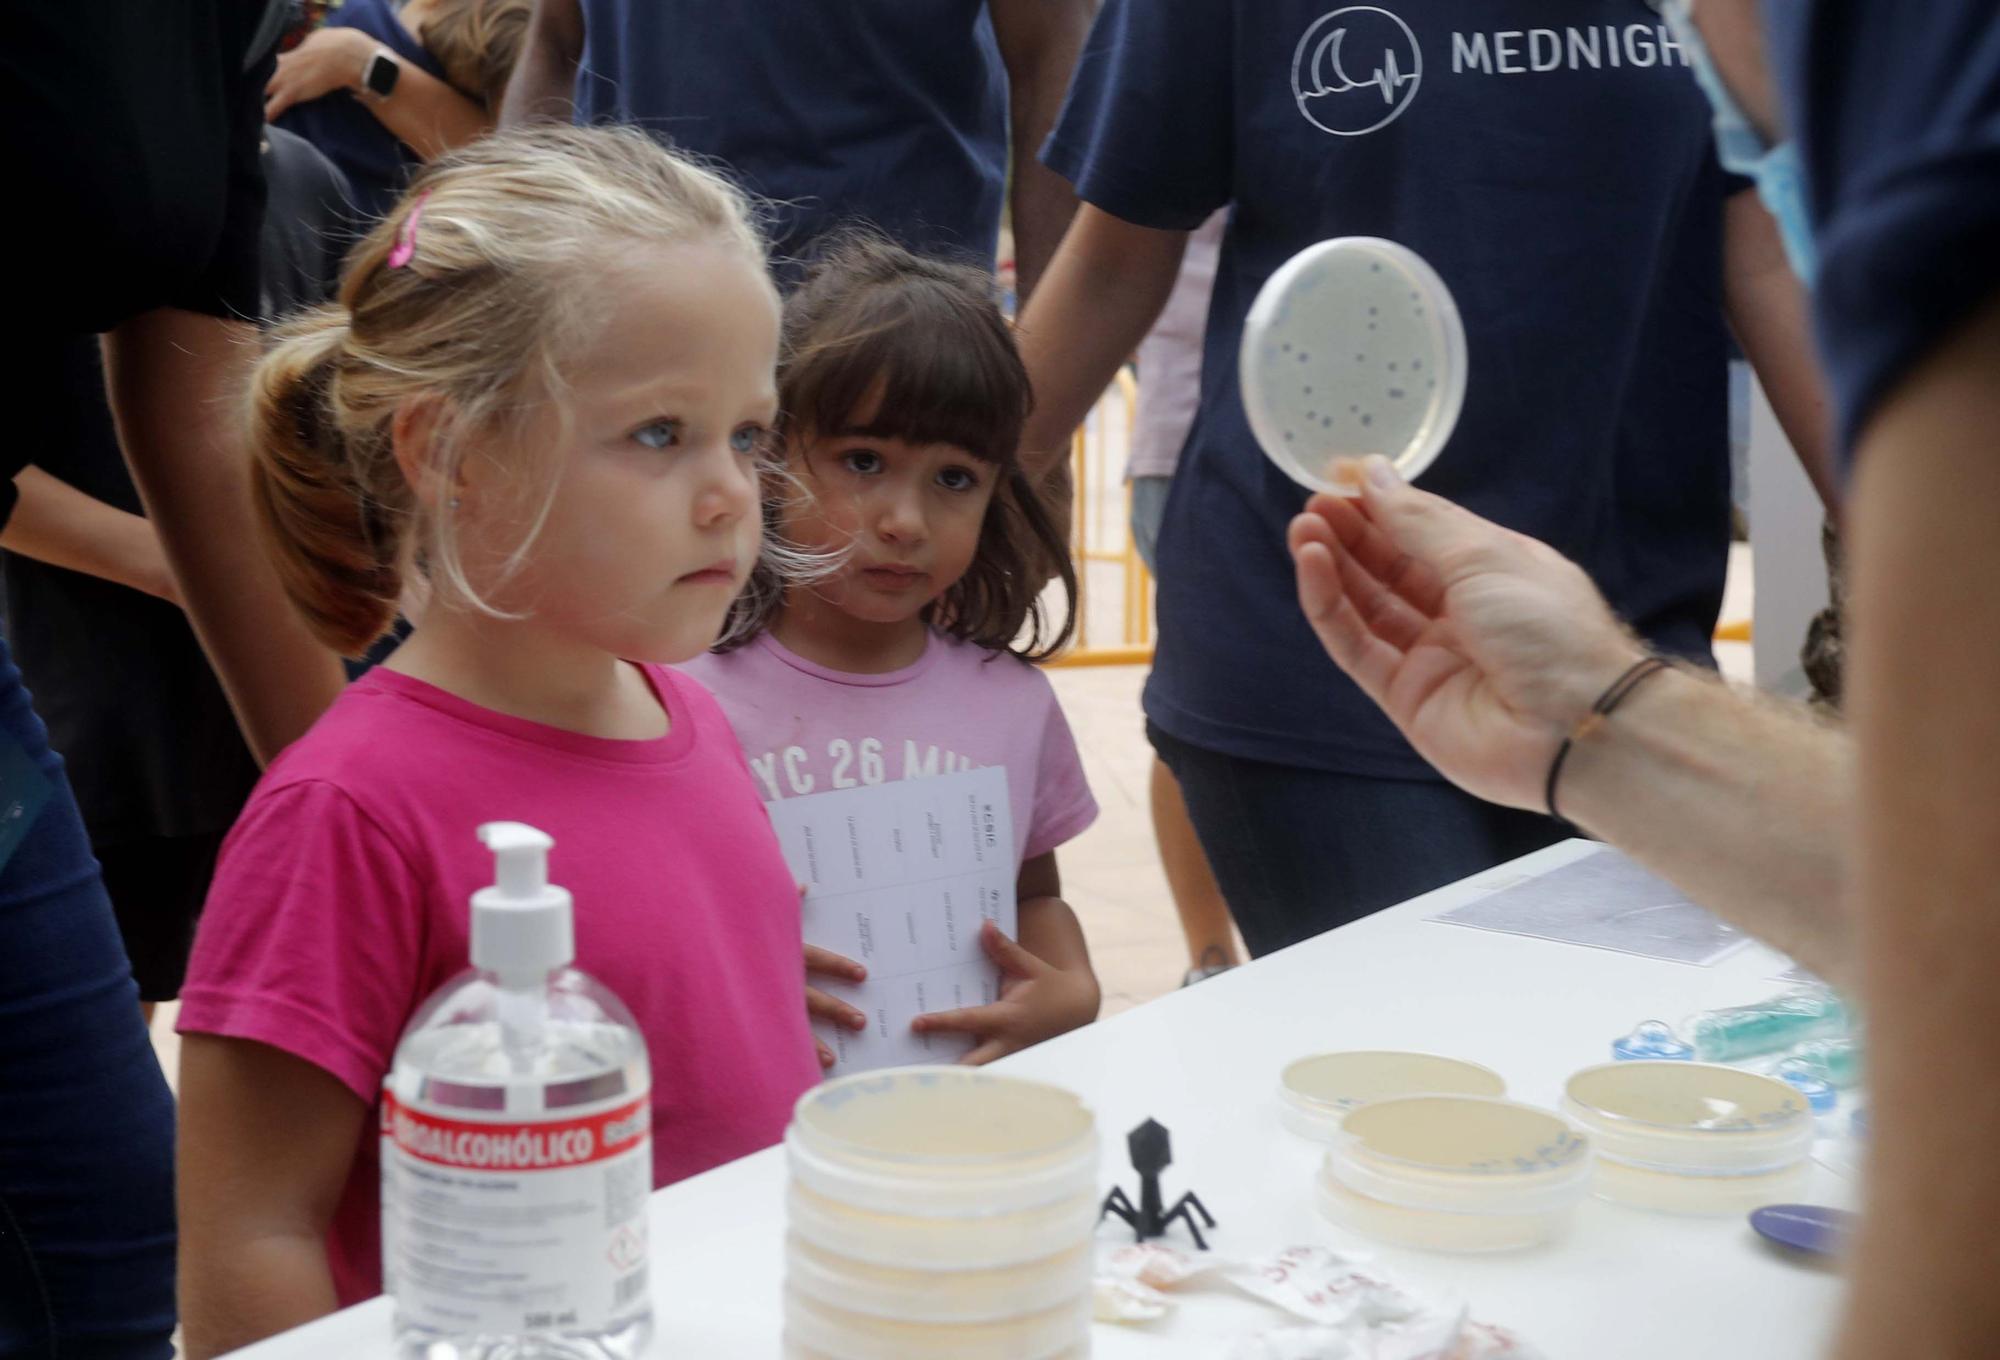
(1771, 316)
(1742, 801)
(1927, 648)
(1486, 648)
(425, 114)
(1102, 293)
(55, 523)
(1048, 928)
(1039, 41)
(174, 379)
(428, 115)
(544, 83)
(266, 1144)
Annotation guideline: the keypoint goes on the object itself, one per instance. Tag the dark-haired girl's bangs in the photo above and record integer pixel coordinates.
(969, 392)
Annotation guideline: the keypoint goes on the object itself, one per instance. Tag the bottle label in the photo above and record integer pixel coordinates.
(516, 1225)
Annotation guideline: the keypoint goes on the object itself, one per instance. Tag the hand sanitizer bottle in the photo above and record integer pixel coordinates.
(517, 1144)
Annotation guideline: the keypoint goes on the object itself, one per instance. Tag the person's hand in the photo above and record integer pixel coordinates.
(823, 1006)
(1037, 1001)
(329, 59)
(1485, 647)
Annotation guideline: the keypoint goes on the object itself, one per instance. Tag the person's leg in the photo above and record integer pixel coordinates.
(1298, 851)
(87, 1139)
(1211, 939)
(1198, 900)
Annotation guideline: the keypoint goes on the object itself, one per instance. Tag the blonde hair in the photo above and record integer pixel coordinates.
(477, 43)
(476, 321)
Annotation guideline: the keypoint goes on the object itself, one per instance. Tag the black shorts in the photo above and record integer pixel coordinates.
(1299, 851)
(157, 887)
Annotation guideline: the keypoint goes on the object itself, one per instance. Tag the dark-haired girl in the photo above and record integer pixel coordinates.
(903, 399)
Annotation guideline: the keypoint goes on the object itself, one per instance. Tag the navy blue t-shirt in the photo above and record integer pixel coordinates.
(376, 163)
(1561, 179)
(130, 135)
(1897, 111)
(890, 111)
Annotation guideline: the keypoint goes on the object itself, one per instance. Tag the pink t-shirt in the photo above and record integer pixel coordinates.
(342, 901)
(807, 728)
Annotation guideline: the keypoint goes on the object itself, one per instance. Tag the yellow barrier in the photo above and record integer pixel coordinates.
(1099, 453)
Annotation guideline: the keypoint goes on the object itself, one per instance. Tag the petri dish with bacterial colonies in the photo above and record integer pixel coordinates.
(1354, 347)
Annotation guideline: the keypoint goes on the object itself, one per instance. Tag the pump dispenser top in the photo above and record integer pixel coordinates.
(521, 926)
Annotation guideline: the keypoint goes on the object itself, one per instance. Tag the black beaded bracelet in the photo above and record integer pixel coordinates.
(1634, 676)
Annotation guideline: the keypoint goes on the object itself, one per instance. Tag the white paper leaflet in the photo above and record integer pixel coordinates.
(898, 877)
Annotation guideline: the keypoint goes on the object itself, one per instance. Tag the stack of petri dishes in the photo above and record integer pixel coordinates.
(1693, 1138)
(939, 1212)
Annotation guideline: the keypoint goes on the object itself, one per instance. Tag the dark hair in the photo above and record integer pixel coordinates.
(924, 343)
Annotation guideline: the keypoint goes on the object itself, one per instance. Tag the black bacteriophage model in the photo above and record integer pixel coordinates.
(1152, 1153)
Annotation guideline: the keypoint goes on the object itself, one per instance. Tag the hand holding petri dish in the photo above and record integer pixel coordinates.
(1354, 347)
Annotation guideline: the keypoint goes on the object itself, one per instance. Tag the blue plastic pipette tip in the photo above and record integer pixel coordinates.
(1653, 1039)
(1819, 1092)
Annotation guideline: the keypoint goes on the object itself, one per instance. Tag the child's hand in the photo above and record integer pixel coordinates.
(820, 1005)
(1037, 1001)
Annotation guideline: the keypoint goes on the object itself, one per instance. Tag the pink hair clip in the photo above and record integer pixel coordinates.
(405, 248)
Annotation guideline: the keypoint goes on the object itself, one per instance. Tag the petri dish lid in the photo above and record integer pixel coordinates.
(954, 1242)
(1690, 1118)
(820, 1329)
(1316, 1092)
(942, 1141)
(909, 1294)
(1353, 347)
(1461, 1154)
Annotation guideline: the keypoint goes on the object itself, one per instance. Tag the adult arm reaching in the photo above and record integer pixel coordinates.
(1487, 649)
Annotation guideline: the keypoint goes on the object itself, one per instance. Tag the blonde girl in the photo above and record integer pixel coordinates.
(544, 388)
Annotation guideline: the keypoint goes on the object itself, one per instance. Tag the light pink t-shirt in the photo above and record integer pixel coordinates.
(342, 901)
(808, 729)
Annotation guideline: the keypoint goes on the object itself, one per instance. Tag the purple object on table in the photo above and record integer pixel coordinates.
(1805, 1227)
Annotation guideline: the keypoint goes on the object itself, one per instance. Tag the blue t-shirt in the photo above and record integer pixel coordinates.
(890, 111)
(1897, 110)
(347, 132)
(1560, 178)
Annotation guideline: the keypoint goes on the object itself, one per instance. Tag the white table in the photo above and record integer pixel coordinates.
(1205, 1062)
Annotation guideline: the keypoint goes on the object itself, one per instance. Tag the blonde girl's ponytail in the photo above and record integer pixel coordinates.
(336, 546)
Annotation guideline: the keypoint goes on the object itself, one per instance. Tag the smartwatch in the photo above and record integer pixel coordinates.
(378, 77)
